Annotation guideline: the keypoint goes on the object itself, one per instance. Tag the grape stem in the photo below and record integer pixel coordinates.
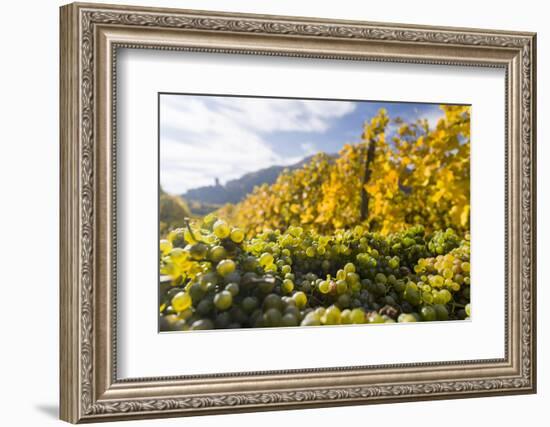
(188, 225)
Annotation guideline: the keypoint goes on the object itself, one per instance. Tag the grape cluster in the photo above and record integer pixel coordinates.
(214, 278)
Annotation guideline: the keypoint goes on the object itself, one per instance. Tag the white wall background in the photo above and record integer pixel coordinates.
(29, 170)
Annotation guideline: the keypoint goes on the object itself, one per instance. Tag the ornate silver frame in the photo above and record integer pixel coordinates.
(90, 36)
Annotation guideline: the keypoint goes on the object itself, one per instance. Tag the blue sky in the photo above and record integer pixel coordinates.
(208, 137)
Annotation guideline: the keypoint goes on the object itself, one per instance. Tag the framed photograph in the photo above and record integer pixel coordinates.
(267, 212)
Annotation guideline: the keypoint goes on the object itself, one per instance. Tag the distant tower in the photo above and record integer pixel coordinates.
(217, 181)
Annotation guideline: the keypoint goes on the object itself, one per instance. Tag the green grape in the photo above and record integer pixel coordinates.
(394, 262)
(217, 253)
(266, 286)
(300, 298)
(345, 317)
(249, 304)
(438, 298)
(271, 268)
(411, 294)
(286, 269)
(428, 313)
(467, 309)
(399, 285)
(288, 286)
(250, 263)
(352, 277)
(169, 310)
(374, 317)
(292, 277)
(341, 275)
(222, 320)
(441, 312)
(233, 277)
(289, 319)
(205, 307)
(233, 288)
(311, 320)
(331, 316)
(272, 301)
(178, 255)
(185, 314)
(305, 286)
(181, 301)
(237, 235)
(198, 251)
(209, 277)
(357, 316)
(349, 268)
(437, 281)
(291, 307)
(427, 297)
(266, 259)
(379, 288)
(324, 287)
(406, 318)
(343, 301)
(341, 286)
(202, 324)
(380, 278)
(171, 322)
(209, 239)
(225, 267)
(445, 295)
(223, 300)
(289, 276)
(221, 229)
(320, 311)
(272, 317)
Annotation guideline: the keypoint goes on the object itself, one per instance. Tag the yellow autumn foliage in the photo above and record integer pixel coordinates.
(417, 176)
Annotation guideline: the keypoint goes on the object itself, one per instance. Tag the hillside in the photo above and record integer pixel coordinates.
(172, 211)
(236, 190)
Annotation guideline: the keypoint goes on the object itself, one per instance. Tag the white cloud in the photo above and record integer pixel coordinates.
(432, 117)
(202, 139)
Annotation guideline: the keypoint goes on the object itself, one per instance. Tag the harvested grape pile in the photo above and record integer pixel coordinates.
(214, 278)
